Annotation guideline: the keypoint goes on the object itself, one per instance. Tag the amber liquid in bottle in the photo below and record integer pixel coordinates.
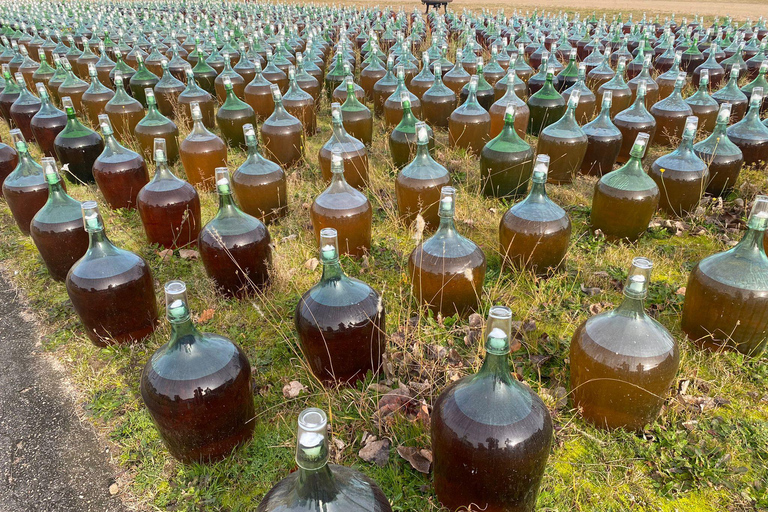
(58, 230)
(282, 135)
(344, 209)
(535, 233)
(235, 247)
(198, 388)
(259, 184)
(447, 270)
(169, 207)
(119, 172)
(201, 153)
(340, 322)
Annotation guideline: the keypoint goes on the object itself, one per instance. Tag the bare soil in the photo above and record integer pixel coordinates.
(739, 10)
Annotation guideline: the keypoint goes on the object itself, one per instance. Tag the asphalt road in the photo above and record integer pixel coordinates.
(49, 460)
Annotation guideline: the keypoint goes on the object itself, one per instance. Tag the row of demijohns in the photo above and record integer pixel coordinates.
(476, 418)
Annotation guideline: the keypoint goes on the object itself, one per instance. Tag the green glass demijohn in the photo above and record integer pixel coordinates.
(447, 270)
(197, 388)
(234, 246)
(535, 233)
(546, 106)
(77, 146)
(506, 161)
(318, 485)
(749, 134)
(726, 299)
(625, 200)
(490, 432)
(681, 175)
(604, 141)
(418, 184)
(723, 157)
(259, 185)
(57, 229)
(340, 322)
(25, 189)
(120, 173)
(111, 289)
(565, 143)
(623, 362)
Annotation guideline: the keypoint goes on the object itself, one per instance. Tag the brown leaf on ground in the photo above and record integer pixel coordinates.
(680, 291)
(165, 254)
(206, 316)
(375, 451)
(701, 403)
(398, 400)
(293, 389)
(189, 254)
(420, 460)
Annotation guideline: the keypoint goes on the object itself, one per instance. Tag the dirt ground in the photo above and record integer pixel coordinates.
(739, 10)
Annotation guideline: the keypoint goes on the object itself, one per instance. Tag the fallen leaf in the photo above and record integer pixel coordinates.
(420, 460)
(594, 290)
(680, 291)
(188, 254)
(289, 238)
(114, 489)
(206, 316)
(165, 254)
(293, 389)
(376, 452)
(311, 263)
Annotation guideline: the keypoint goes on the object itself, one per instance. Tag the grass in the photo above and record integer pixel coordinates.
(688, 460)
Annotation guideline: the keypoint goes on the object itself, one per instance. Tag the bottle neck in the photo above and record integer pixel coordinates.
(497, 365)
(316, 484)
(751, 243)
(183, 331)
(632, 307)
(227, 206)
(331, 270)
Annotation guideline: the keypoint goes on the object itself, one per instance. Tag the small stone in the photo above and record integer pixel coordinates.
(311, 263)
(475, 321)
